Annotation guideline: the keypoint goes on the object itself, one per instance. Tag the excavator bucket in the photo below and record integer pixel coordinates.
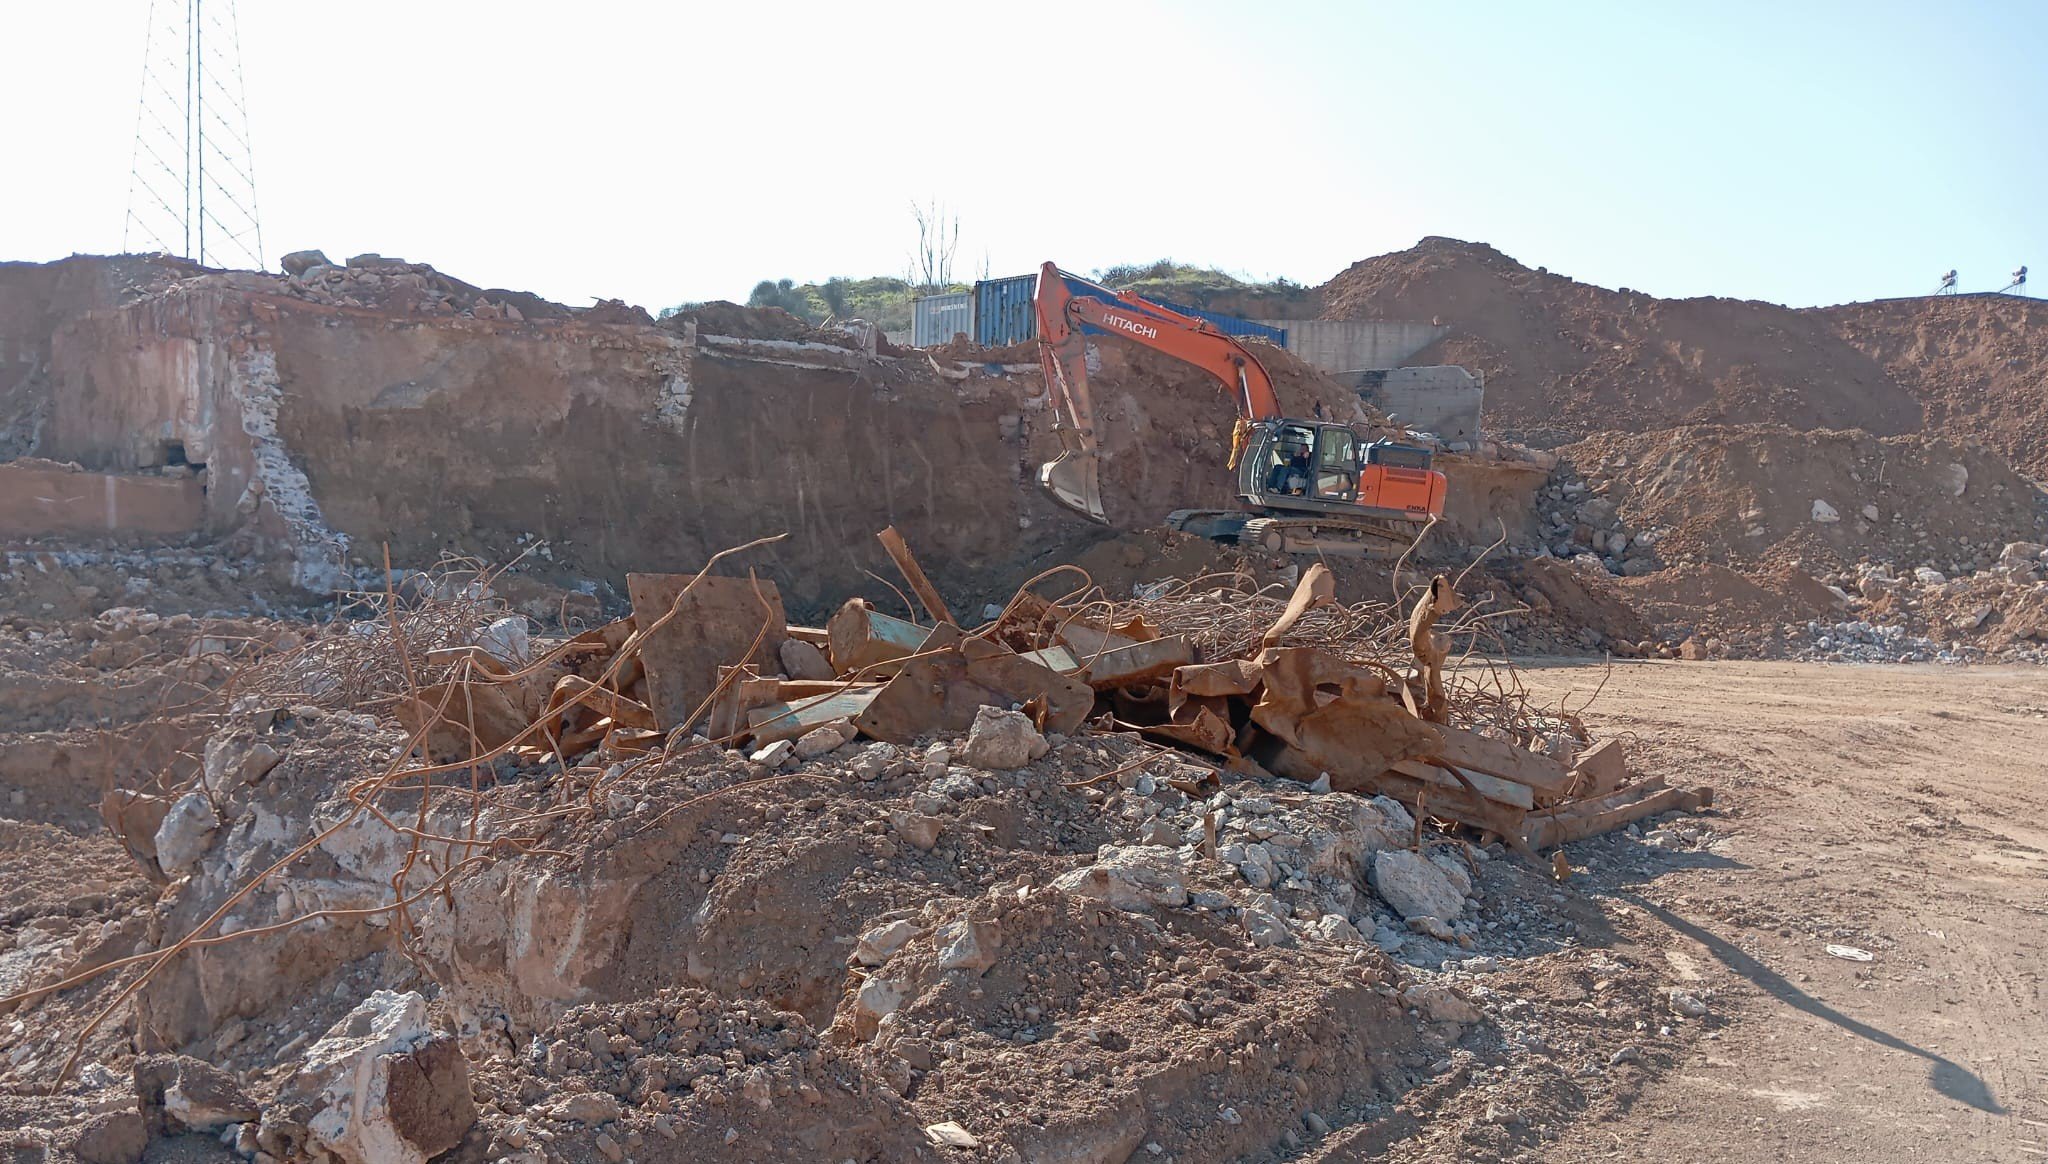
(1074, 478)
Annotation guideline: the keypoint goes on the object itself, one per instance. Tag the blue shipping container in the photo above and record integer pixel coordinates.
(936, 319)
(1230, 324)
(1003, 311)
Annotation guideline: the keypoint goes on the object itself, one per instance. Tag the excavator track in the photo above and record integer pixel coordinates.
(1333, 537)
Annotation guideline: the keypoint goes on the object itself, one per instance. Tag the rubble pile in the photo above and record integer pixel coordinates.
(704, 884)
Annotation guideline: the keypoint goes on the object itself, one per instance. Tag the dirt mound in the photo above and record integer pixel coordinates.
(1818, 500)
(720, 317)
(1978, 363)
(1560, 356)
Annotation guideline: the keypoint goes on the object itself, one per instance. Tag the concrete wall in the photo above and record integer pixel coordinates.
(1352, 345)
(42, 499)
(1443, 400)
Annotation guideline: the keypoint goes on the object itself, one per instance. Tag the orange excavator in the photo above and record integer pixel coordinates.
(1309, 486)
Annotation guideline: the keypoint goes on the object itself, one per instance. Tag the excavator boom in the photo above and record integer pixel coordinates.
(1074, 478)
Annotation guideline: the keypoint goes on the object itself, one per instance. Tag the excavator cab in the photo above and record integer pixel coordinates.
(1313, 466)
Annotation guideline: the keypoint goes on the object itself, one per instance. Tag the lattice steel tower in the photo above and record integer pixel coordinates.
(192, 182)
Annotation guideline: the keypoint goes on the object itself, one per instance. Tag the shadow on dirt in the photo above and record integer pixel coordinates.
(1948, 1078)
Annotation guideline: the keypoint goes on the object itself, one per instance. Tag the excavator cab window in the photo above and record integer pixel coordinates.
(1290, 460)
(1337, 464)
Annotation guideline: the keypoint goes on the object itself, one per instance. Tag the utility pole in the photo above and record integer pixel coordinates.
(192, 176)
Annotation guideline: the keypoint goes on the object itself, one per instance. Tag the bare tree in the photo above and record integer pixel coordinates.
(938, 236)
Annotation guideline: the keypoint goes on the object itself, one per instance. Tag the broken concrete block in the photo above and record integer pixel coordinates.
(951, 1135)
(1133, 877)
(1335, 927)
(205, 1098)
(1442, 1004)
(1001, 739)
(1266, 928)
(1824, 513)
(1158, 832)
(1415, 886)
(299, 262)
(824, 738)
(802, 660)
(774, 754)
(1432, 926)
(507, 641)
(232, 760)
(117, 1137)
(186, 834)
(916, 828)
(879, 943)
(967, 945)
(382, 1087)
(878, 999)
(587, 1107)
(1958, 479)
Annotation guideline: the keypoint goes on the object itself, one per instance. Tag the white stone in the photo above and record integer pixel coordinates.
(1870, 513)
(230, 760)
(1265, 928)
(774, 754)
(1433, 927)
(967, 945)
(1416, 886)
(877, 944)
(1335, 927)
(187, 832)
(915, 827)
(1958, 479)
(1455, 869)
(802, 660)
(507, 641)
(1002, 740)
(1929, 576)
(345, 1078)
(824, 739)
(1824, 513)
(1133, 877)
(1440, 1003)
(878, 998)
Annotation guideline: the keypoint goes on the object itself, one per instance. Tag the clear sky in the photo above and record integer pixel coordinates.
(666, 151)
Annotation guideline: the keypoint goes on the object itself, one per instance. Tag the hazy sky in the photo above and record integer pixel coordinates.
(658, 152)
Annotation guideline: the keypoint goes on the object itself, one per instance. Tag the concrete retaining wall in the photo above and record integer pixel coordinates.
(1441, 400)
(1353, 345)
(43, 499)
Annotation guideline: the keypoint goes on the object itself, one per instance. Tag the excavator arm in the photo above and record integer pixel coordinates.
(1074, 477)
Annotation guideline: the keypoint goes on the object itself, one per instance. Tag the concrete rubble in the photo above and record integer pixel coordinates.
(1140, 778)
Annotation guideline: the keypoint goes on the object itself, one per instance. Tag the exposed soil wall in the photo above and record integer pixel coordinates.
(36, 299)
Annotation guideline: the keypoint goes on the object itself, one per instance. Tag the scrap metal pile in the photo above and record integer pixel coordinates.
(1346, 698)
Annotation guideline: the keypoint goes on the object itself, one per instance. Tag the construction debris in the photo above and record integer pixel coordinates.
(702, 788)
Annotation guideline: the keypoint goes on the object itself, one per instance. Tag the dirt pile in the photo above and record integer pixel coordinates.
(1818, 500)
(1977, 363)
(1564, 358)
(1042, 943)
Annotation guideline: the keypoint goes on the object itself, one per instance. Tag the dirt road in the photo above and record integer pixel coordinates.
(1898, 811)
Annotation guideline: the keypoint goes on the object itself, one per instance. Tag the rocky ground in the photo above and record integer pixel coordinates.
(868, 952)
